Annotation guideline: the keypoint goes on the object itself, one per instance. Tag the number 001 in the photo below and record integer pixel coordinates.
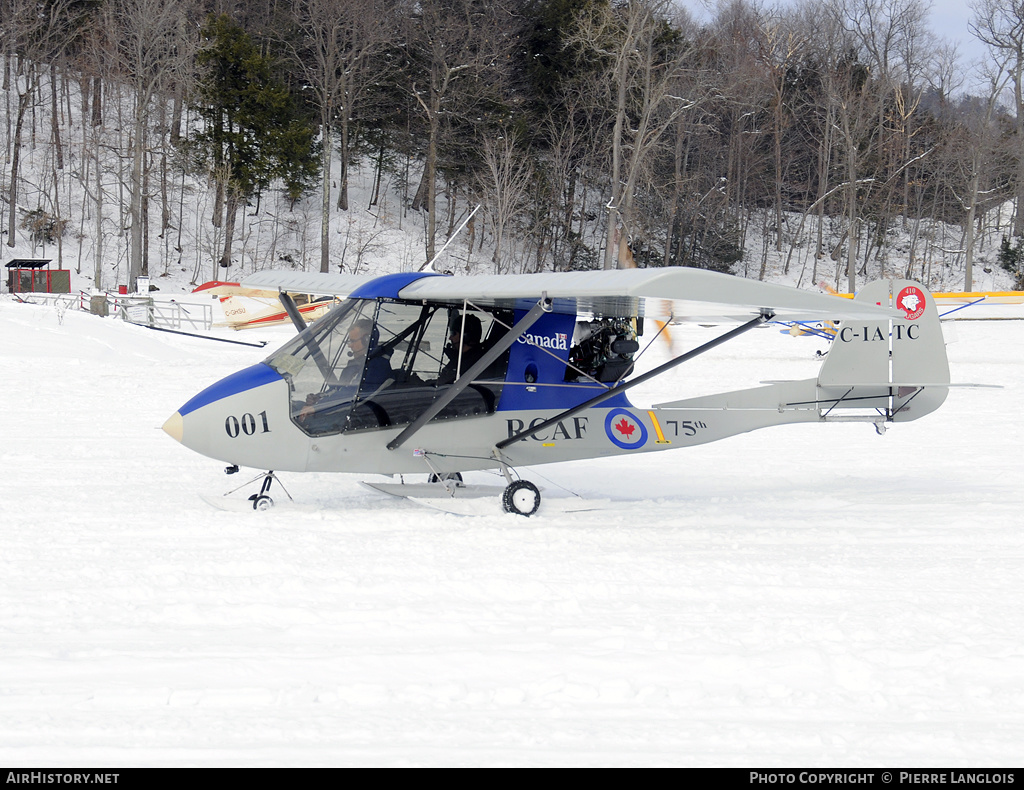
(247, 425)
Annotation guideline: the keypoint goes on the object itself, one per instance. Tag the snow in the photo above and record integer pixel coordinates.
(806, 595)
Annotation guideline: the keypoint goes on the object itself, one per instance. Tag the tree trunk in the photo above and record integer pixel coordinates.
(217, 217)
(778, 172)
(12, 200)
(144, 215)
(136, 208)
(613, 204)
(229, 228)
(98, 268)
(343, 181)
(85, 89)
(430, 176)
(176, 109)
(55, 119)
(97, 101)
(1018, 93)
(325, 202)
(378, 176)
(165, 203)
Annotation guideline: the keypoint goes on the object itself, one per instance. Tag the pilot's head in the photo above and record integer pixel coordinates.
(470, 334)
(359, 336)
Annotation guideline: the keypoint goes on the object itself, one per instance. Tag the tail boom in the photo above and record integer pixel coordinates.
(875, 371)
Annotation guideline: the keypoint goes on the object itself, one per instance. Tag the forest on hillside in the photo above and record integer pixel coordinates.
(590, 133)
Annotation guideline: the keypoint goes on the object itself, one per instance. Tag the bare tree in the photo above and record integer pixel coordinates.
(743, 93)
(978, 157)
(562, 192)
(999, 24)
(38, 32)
(505, 183)
(779, 46)
(642, 57)
(150, 54)
(878, 105)
(458, 48)
(341, 37)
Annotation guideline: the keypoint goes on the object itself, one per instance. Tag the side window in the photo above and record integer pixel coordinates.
(495, 327)
(411, 336)
(422, 345)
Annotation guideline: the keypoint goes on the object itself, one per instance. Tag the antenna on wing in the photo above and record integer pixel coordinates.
(456, 233)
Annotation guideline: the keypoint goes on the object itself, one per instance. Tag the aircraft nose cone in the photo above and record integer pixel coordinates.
(174, 426)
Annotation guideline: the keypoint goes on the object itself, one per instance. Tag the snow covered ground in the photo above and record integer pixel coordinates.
(806, 595)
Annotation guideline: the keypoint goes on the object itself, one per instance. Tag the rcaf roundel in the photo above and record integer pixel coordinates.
(625, 430)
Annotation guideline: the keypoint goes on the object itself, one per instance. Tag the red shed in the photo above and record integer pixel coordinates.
(34, 275)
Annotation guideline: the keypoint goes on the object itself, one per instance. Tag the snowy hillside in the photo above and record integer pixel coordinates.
(806, 595)
(382, 234)
(389, 238)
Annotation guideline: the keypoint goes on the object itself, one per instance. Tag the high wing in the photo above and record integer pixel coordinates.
(675, 292)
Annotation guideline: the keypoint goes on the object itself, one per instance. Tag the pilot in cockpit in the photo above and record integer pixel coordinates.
(372, 370)
(463, 350)
(361, 340)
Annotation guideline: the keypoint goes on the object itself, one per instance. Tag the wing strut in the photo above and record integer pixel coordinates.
(311, 342)
(528, 320)
(765, 316)
(292, 310)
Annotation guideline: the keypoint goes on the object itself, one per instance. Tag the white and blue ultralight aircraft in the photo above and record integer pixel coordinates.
(423, 373)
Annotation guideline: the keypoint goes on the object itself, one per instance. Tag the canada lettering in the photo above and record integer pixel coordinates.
(560, 342)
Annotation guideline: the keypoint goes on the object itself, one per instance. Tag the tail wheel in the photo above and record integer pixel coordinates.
(521, 497)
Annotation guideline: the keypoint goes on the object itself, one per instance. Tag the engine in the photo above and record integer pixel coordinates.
(602, 350)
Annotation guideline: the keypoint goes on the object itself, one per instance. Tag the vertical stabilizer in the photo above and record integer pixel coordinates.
(904, 358)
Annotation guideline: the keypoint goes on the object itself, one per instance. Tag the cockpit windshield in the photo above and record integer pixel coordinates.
(378, 363)
(325, 365)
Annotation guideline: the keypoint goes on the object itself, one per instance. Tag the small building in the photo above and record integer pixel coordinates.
(34, 275)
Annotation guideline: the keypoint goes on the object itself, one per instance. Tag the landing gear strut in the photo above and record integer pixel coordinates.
(520, 497)
(262, 500)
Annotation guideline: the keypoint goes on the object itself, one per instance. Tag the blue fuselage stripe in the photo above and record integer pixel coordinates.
(247, 379)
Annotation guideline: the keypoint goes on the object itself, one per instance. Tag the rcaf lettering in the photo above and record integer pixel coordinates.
(575, 430)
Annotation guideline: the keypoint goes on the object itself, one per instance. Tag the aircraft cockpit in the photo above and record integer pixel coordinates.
(374, 363)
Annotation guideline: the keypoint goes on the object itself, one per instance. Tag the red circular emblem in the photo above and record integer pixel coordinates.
(911, 301)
